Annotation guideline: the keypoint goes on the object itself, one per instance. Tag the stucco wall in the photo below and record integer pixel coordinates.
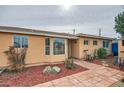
(120, 48)
(5, 41)
(90, 47)
(36, 49)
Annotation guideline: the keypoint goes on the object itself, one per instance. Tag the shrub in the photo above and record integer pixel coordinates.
(69, 63)
(16, 58)
(101, 52)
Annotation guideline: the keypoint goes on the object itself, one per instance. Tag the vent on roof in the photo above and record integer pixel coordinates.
(99, 31)
(73, 31)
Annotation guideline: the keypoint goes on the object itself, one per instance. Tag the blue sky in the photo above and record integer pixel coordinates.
(85, 19)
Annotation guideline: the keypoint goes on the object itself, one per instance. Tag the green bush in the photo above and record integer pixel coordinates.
(101, 52)
(69, 63)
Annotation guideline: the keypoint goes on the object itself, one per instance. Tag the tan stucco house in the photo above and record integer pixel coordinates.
(48, 47)
(121, 49)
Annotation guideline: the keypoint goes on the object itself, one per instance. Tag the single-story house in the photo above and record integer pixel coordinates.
(49, 47)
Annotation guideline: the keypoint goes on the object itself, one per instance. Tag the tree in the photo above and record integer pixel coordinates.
(119, 23)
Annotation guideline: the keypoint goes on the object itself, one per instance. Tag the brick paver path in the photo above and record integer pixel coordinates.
(96, 76)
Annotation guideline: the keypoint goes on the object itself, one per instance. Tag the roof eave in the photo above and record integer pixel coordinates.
(105, 38)
(41, 34)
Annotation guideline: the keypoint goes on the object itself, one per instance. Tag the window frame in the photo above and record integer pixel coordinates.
(21, 41)
(95, 44)
(106, 44)
(47, 46)
(61, 52)
(85, 42)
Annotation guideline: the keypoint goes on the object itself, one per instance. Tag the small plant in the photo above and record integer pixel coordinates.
(69, 63)
(95, 54)
(101, 52)
(2, 70)
(16, 58)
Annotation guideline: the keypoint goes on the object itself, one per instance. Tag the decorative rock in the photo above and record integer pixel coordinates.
(57, 69)
(51, 70)
(47, 70)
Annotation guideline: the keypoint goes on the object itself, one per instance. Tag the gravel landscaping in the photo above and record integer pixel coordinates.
(34, 75)
(109, 61)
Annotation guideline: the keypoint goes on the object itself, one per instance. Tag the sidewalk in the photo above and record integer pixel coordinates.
(96, 76)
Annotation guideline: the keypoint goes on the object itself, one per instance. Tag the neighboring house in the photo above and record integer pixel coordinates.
(44, 46)
(121, 48)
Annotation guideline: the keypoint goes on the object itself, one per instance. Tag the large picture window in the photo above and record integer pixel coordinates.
(105, 44)
(59, 46)
(20, 41)
(47, 46)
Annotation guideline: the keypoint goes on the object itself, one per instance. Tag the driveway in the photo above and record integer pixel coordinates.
(96, 76)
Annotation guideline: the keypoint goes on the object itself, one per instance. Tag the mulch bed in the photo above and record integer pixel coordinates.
(33, 75)
(109, 58)
(98, 62)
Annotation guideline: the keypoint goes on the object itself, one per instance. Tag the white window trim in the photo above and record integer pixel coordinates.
(21, 40)
(45, 46)
(64, 47)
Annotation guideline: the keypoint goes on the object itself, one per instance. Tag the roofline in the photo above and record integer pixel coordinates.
(20, 30)
(94, 36)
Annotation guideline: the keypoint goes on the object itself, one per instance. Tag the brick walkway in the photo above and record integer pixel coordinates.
(96, 76)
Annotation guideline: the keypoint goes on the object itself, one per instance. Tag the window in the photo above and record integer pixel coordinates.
(105, 44)
(85, 42)
(94, 42)
(122, 42)
(58, 46)
(20, 41)
(47, 46)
